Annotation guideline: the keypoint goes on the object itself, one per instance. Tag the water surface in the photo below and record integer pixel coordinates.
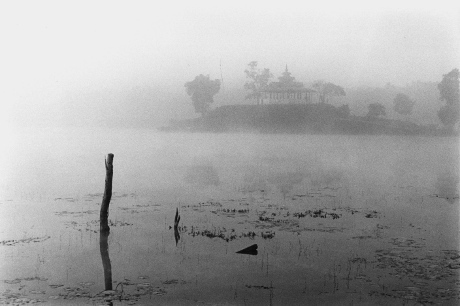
(338, 220)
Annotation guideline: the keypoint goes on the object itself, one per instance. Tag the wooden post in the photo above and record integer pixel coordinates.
(104, 225)
(104, 248)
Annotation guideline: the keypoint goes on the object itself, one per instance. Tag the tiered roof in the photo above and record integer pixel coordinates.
(286, 83)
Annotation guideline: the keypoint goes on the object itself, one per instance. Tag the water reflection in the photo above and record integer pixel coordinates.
(176, 226)
(254, 180)
(326, 177)
(446, 186)
(106, 264)
(202, 175)
(286, 181)
(176, 235)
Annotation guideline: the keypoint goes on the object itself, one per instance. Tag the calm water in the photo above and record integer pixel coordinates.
(338, 220)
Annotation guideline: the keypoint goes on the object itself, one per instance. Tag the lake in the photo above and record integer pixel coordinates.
(337, 220)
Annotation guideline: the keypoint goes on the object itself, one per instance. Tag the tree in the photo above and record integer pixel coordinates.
(402, 104)
(449, 87)
(449, 91)
(202, 90)
(449, 115)
(258, 79)
(376, 110)
(326, 90)
(344, 111)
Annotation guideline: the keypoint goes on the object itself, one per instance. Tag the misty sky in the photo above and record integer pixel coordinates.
(58, 57)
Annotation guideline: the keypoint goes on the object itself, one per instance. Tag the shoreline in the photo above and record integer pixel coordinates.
(308, 119)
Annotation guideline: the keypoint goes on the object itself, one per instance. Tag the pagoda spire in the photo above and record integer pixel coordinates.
(286, 68)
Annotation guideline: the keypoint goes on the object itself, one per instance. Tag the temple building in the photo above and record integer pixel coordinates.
(287, 90)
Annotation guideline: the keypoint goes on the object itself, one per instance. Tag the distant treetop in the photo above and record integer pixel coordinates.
(258, 79)
(449, 92)
(202, 90)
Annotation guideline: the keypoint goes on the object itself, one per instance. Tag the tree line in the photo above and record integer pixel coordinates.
(203, 89)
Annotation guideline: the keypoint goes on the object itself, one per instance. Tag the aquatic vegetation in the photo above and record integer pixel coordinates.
(76, 213)
(259, 287)
(372, 214)
(424, 270)
(226, 235)
(250, 234)
(218, 232)
(93, 225)
(267, 235)
(14, 242)
(16, 299)
(318, 213)
(228, 210)
(173, 282)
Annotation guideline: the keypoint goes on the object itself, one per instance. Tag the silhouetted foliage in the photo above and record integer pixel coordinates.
(449, 114)
(449, 91)
(344, 111)
(449, 87)
(202, 90)
(326, 90)
(320, 118)
(376, 110)
(402, 104)
(258, 80)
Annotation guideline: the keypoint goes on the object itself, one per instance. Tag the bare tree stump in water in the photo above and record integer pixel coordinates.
(106, 264)
(104, 214)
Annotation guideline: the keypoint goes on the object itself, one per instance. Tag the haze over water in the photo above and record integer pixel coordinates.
(337, 219)
(328, 219)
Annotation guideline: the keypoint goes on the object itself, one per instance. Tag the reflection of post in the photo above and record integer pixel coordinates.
(104, 214)
(104, 246)
(176, 226)
(176, 234)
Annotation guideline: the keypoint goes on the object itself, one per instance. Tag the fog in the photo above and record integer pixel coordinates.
(335, 204)
(120, 64)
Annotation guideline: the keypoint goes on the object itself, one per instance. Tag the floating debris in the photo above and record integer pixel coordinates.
(250, 250)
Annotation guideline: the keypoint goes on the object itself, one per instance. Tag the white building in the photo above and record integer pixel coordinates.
(286, 91)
